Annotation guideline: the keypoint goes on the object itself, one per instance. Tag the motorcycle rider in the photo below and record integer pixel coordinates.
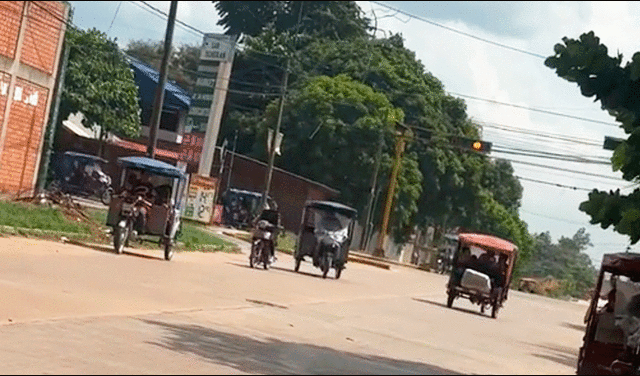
(270, 214)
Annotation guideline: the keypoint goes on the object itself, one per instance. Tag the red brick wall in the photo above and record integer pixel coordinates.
(10, 14)
(23, 129)
(43, 32)
(23, 136)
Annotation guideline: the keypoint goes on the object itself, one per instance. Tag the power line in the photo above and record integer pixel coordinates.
(114, 17)
(459, 32)
(535, 109)
(554, 184)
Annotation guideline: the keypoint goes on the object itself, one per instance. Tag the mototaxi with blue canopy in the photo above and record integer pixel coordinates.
(165, 198)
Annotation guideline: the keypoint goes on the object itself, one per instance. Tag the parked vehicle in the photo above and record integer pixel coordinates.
(611, 343)
(325, 235)
(240, 207)
(81, 174)
(482, 270)
(264, 239)
(149, 201)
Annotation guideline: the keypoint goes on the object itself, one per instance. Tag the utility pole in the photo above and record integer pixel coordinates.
(233, 154)
(374, 181)
(154, 123)
(272, 149)
(400, 142)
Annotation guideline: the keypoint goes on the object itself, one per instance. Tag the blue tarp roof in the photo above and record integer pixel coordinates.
(152, 165)
(147, 80)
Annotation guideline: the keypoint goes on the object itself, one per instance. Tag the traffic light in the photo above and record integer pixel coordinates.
(473, 144)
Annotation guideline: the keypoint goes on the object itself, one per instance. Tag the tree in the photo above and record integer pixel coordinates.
(325, 19)
(565, 261)
(99, 84)
(331, 128)
(585, 61)
(183, 65)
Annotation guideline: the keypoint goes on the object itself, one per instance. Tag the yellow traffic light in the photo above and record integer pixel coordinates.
(477, 145)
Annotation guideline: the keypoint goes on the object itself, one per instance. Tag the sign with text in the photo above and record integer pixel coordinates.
(200, 196)
(218, 47)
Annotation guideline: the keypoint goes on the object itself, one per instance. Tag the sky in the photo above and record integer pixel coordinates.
(491, 54)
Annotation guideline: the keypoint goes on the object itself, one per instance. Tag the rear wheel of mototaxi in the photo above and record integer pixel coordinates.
(494, 310)
(339, 270)
(120, 235)
(105, 196)
(253, 256)
(168, 249)
(450, 297)
(327, 260)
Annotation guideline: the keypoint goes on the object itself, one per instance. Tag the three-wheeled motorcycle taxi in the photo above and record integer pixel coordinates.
(148, 201)
(81, 174)
(611, 342)
(325, 235)
(482, 270)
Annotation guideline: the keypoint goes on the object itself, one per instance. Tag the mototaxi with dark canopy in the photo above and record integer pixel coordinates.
(164, 202)
(482, 270)
(325, 235)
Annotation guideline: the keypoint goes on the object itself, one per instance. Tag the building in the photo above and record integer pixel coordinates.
(31, 38)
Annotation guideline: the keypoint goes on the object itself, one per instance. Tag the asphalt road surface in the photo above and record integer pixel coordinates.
(69, 309)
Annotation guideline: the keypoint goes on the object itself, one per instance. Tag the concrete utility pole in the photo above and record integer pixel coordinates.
(272, 149)
(382, 236)
(374, 182)
(154, 122)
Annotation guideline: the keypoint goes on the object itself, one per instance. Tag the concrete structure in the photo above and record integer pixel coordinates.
(31, 37)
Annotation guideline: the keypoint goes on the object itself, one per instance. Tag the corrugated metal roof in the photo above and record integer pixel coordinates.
(147, 79)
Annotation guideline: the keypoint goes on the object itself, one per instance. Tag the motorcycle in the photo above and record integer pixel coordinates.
(129, 225)
(443, 263)
(264, 238)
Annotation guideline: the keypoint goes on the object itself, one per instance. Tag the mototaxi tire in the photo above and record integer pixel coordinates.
(494, 310)
(450, 297)
(297, 266)
(326, 263)
(106, 195)
(120, 237)
(339, 271)
(168, 249)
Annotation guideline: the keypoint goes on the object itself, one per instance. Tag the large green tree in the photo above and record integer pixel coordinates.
(586, 62)
(99, 84)
(325, 19)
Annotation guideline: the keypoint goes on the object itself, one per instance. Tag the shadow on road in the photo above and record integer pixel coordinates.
(577, 327)
(559, 354)
(477, 313)
(109, 249)
(272, 356)
(280, 269)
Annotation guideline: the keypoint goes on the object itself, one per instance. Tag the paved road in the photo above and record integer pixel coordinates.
(71, 309)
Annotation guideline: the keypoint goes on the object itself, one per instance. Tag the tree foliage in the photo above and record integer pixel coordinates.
(324, 19)
(586, 62)
(565, 261)
(439, 184)
(99, 83)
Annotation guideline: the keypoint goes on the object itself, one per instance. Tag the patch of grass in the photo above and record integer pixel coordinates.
(195, 237)
(51, 222)
(30, 216)
(287, 242)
